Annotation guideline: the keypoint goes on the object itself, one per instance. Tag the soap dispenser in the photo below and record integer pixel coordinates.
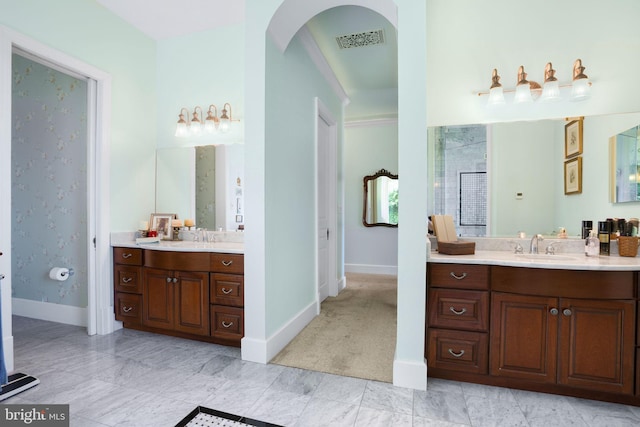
(592, 244)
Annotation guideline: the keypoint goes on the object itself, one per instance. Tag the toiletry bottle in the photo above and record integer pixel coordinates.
(592, 244)
(587, 226)
(604, 230)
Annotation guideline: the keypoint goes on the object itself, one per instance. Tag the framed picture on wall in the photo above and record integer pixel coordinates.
(573, 176)
(162, 224)
(573, 138)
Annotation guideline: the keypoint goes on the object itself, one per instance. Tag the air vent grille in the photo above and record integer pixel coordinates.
(368, 38)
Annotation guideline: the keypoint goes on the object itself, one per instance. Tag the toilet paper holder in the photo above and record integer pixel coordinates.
(71, 272)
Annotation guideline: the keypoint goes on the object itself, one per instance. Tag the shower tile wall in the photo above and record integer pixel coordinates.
(458, 149)
(49, 183)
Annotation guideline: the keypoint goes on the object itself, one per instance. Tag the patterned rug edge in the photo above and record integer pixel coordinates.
(238, 420)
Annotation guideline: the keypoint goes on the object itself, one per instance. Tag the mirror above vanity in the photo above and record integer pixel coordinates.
(624, 156)
(204, 183)
(525, 176)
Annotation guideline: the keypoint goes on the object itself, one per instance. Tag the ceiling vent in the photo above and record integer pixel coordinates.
(368, 38)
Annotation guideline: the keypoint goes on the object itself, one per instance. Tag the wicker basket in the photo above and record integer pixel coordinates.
(628, 245)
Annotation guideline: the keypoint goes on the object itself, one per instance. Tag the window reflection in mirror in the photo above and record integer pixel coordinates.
(625, 170)
(458, 172)
(380, 200)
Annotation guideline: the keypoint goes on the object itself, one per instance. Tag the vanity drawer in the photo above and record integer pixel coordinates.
(460, 276)
(457, 351)
(451, 308)
(128, 308)
(130, 256)
(227, 289)
(227, 322)
(127, 278)
(227, 263)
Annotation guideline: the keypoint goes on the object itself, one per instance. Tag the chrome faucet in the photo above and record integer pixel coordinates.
(533, 249)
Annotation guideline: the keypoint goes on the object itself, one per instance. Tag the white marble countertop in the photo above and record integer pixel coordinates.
(564, 261)
(127, 240)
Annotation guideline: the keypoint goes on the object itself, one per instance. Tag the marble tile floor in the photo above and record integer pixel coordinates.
(132, 378)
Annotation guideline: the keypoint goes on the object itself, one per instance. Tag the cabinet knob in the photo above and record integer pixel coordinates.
(127, 255)
(168, 279)
(175, 280)
(554, 311)
(454, 354)
(127, 279)
(226, 291)
(456, 312)
(566, 312)
(455, 276)
(227, 325)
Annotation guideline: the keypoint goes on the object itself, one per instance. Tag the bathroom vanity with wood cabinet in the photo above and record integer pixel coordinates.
(197, 295)
(558, 330)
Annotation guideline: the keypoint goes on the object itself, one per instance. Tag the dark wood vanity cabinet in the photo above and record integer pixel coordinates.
(227, 297)
(127, 276)
(196, 295)
(560, 331)
(458, 317)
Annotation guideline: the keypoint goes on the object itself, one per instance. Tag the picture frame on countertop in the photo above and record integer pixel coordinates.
(161, 222)
(573, 176)
(573, 138)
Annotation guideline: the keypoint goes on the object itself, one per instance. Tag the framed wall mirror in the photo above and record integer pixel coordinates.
(380, 200)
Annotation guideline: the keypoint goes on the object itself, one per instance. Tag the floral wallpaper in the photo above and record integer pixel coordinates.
(206, 187)
(49, 183)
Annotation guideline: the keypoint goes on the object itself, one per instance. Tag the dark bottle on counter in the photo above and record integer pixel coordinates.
(587, 226)
(604, 235)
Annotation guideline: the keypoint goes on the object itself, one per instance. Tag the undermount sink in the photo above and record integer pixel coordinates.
(545, 257)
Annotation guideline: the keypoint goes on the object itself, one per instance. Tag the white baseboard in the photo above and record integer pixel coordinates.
(262, 351)
(49, 311)
(371, 269)
(342, 283)
(409, 374)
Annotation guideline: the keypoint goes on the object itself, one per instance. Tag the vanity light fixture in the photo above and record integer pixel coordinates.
(551, 88)
(182, 129)
(524, 88)
(496, 93)
(225, 121)
(527, 91)
(212, 121)
(581, 87)
(194, 126)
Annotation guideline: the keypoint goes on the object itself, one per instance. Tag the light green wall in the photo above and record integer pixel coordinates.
(292, 83)
(105, 41)
(367, 149)
(198, 70)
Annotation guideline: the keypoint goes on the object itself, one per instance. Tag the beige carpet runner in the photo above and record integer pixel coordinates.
(355, 333)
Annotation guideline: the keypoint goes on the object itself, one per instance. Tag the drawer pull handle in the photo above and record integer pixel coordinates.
(227, 263)
(127, 279)
(226, 291)
(454, 354)
(127, 309)
(127, 255)
(455, 276)
(227, 325)
(456, 312)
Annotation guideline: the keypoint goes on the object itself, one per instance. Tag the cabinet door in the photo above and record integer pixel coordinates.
(158, 298)
(597, 344)
(192, 302)
(524, 334)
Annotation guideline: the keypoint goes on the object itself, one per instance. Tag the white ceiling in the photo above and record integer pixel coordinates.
(367, 74)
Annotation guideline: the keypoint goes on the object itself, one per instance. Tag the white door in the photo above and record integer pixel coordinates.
(323, 204)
